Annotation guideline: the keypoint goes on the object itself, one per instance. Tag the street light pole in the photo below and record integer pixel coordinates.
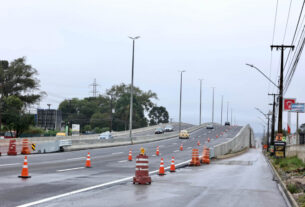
(180, 99)
(131, 88)
(221, 109)
(213, 106)
(228, 111)
(200, 101)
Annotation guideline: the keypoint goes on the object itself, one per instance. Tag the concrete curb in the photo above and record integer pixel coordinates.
(278, 179)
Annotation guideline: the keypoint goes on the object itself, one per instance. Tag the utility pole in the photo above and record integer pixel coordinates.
(200, 101)
(221, 110)
(213, 106)
(131, 88)
(273, 119)
(282, 48)
(180, 99)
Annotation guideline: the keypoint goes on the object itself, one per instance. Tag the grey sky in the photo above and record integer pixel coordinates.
(72, 42)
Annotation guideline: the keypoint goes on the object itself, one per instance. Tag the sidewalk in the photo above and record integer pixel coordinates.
(241, 181)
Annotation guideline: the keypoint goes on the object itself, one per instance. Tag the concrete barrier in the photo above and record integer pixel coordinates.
(244, 139)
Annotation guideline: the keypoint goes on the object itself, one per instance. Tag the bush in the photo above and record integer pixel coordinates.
(289, 163)
(301, 201)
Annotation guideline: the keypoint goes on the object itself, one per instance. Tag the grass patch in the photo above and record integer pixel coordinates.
(301, 201)
(289, 163)
(293, 188)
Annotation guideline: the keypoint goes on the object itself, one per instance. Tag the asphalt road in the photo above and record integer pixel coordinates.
(59, 173)
(241, 181)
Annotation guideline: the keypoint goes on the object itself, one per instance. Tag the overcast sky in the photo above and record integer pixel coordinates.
(72, 42)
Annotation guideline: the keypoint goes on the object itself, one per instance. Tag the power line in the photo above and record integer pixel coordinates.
(287, 21)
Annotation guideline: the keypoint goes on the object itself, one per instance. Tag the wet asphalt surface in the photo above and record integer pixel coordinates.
(245, 180)
(58, 173)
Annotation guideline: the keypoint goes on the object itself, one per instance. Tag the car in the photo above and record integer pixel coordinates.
(159, 131)
(60, 134)
(184, 134)
(106, 135)
(10, 134)
(227, 123)
(210, 126)
(168, 128)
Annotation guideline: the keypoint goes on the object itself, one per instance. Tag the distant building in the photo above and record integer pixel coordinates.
(49, 119)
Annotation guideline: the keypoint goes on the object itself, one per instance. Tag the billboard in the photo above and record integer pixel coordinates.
(75, 129)
(287, 103)
(298, 107)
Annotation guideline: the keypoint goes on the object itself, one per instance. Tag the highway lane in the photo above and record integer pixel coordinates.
(245, 180)
(58, 173)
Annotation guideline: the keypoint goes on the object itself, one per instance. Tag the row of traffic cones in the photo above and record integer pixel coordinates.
(25, 169)
(162, 169)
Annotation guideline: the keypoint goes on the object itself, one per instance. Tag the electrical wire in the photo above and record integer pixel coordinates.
(287, 21)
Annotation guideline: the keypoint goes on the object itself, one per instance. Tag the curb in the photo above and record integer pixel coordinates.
(277, 178)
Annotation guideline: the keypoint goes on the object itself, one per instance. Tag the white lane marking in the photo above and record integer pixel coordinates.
(175, 143)
(117, 153)
(176, 151)
(76, 168)
(154, 155)
(160, 145)
(9, 164)
(90, 188)
(76, 158)
(189, 147)
(123, 161)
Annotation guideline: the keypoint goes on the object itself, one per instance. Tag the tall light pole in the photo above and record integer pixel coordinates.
(131, 88)
(200, 101)
(228, 111)
(231, 115)
(221, 110)
(181, 71)
(213, 105)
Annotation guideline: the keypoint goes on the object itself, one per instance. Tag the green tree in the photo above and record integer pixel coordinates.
(157, 115)
(14, 117)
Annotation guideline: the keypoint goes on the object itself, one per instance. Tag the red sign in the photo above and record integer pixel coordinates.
(287, 103)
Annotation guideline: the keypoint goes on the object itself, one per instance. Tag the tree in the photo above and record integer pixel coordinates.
(14, 117)
(157, 115)
(18, 85)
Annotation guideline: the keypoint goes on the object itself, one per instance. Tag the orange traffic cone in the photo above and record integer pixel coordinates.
(130, 156)
(208, 139)
(161, 169)
(181, 147)
(216, 136)
(157, 151)
(206, 156)
(195, 158)
(25, 170)
(198, 143)
(88, 161)
(173, 168)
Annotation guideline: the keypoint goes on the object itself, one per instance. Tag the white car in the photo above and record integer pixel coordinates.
(105, 135)
(210, 126)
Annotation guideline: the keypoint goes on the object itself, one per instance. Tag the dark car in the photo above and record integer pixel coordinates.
(168, 128)
(159, 131)
(227, 123)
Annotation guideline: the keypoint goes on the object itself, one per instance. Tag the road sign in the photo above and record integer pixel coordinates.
(33, 147)
(287, 103)
(279, 149)
(298, 107)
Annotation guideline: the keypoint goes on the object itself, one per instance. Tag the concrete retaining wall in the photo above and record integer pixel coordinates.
(296, 150)
(244, 139)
